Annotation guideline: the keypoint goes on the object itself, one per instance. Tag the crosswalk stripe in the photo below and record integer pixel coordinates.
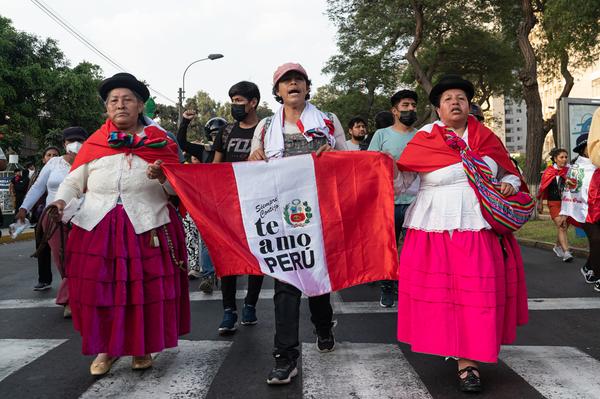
(533, 303)
(339, 306)
(555, 371)
(183, 372)
(17, 353)
(359, 370)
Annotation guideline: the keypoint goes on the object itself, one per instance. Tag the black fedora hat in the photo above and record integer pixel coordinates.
(448, 82)
(581, 143)
(123, 80)
(74, 133)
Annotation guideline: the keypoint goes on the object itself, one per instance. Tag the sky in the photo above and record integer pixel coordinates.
(156, 40)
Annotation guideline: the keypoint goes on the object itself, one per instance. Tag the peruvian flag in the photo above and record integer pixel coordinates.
(319, 223)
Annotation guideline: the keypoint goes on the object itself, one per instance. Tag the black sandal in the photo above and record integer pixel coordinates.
(471, 382)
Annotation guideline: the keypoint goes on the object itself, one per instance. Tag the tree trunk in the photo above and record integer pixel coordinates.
(531, 95)
(420, 74)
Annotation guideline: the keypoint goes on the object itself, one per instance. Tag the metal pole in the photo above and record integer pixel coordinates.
(180, 107)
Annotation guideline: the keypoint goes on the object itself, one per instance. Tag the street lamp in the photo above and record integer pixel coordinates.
(182, 88)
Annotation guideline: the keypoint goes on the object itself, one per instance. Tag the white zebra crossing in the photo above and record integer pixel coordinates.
(338, 304)
(183, 372)
(556, 372)
(362, 370)
(18, 353)
(359, 370)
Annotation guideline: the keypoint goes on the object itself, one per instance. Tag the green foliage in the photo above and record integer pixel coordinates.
(39, 92)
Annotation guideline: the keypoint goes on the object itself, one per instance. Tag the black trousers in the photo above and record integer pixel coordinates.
(287, 318)
(228, 289)
(44, 264)
(592, 230)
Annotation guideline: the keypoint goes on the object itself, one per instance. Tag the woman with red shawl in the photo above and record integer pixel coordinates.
(126, 256)
(461, 289)
(551, 187)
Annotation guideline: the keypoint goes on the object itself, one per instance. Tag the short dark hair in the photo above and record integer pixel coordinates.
(246, 89)
(384, 119)
(556, 152)
(399, 95)
(355, 120)
(276, 85)
(51, 147)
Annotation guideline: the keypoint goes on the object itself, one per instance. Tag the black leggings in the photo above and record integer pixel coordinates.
(592, 230)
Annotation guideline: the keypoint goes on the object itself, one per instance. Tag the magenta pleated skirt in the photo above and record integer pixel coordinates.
(460, 295)
(127, 296)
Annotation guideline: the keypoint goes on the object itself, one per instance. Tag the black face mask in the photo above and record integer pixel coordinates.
(238, 111)
(408, 117)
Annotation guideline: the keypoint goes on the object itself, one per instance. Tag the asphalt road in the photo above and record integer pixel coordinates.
(557, 355)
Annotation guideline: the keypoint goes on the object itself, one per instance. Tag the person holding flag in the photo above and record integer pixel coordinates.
(125, 256)
(297, 127)
(461, 288)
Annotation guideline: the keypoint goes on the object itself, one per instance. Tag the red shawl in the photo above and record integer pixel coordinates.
(550, 174)
(96, 146)
(428, 151)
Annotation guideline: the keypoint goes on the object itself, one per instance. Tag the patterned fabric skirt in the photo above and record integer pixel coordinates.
(128, 296)
(192, 243)
(460, 295)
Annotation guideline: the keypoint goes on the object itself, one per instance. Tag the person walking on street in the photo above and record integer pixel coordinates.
(297, 127)
(551, 188)
(393, 140)
(232, 144)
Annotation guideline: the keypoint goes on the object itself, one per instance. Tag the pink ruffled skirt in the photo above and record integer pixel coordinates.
(460, 295)
(127, 297)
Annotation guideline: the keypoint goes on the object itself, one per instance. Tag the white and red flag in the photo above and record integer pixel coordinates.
(319, 223)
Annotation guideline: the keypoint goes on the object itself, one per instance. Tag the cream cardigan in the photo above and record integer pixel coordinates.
(113, 179)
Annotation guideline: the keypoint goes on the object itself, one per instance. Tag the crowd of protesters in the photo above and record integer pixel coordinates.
(122, 251)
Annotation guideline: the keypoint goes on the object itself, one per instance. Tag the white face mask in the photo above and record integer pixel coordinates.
(73, 147)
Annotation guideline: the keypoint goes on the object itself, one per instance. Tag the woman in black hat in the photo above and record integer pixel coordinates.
(461, 290)
(126, 256)
(50, 177)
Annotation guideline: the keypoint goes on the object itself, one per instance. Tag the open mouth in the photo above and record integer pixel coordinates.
(456, 110)
(294, 91)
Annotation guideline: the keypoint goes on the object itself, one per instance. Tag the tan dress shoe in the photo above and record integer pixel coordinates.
(98, 368)
(141, 362)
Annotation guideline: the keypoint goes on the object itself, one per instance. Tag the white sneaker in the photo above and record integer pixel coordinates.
(567, 257)
(558, 251)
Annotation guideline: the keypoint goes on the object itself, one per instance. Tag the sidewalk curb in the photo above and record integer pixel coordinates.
(7, 239)
(578, 252)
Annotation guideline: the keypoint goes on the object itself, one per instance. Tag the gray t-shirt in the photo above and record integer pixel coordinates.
(351, 146)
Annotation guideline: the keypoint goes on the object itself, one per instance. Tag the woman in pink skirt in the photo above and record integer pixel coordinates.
(126, 256)
(461, 290)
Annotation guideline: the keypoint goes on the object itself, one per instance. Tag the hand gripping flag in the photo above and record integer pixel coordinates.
(318, 223)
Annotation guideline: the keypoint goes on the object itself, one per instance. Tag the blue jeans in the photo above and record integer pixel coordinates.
(206, 265)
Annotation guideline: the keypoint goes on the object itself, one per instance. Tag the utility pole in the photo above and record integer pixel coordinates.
(180, 107)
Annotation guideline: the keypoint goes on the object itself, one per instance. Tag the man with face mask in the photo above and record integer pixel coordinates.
(232, 144)
(393, 140)
(357, 127)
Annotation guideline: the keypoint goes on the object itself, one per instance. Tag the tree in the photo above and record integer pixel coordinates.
(39, 92)
(565, 37)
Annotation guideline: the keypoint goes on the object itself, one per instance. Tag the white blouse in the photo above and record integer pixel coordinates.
(52, 174)
(114, 179)
(445, 201)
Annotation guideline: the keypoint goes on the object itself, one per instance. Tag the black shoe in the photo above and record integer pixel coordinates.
(387, 298)
(283, 372)
(588, 275)
(207, 284)
(325, 340)
(471, 382)
(597, 286)
(42, 287)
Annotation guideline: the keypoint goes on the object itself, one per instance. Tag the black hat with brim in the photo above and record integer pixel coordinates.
(74, 133)
(581, 143)
(123, 80)
(450, 82)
